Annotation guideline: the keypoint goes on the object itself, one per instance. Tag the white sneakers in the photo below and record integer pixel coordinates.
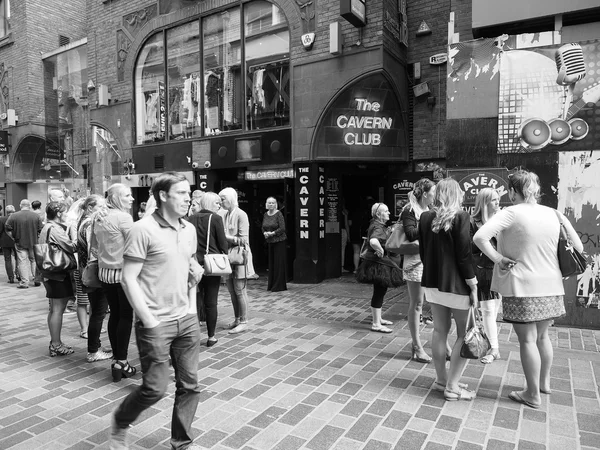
(239, 328)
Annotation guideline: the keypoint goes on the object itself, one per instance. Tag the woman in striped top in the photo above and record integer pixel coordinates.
(110, 232)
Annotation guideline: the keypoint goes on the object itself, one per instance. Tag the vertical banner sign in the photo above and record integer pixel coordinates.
(321, 181)
(400, 187)
(162, 109)
(303, 195)
(3, 142)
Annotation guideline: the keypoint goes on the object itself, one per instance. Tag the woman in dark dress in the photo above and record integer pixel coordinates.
(377, 268)
(208, 288)
(59, 288)
(273, 228)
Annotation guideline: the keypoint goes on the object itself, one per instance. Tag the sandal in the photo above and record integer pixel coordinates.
(381, 329)
(491, 356)
(83, 335)
(442, 387)
(422, 359)
(60, 350)
(462, 394)
(120, 370)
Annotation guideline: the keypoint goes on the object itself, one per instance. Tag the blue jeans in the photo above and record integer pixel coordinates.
(179, 339)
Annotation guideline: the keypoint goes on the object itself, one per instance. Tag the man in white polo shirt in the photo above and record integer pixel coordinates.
(159, 257)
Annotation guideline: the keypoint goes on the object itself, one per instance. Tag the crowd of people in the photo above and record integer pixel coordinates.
(489, 259)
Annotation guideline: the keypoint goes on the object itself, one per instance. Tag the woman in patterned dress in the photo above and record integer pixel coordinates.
(527, 275)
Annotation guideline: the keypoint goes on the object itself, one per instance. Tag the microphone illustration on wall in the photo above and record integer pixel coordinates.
(536, 133)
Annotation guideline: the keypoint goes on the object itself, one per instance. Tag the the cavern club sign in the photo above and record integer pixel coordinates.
(472, 181)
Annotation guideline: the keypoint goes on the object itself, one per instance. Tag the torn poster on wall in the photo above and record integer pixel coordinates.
(579, 199)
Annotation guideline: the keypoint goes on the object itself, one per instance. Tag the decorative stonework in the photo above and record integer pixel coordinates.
(307, 13)
(134, 21)
(4, 87)
(123, 44)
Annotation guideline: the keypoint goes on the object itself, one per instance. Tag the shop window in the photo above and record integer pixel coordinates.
(150, 92)
(222, 72)
(4, 18)
(267, 47)
(184, 81)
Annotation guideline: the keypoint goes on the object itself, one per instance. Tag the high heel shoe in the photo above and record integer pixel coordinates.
(60, 350)
(421, 359)
(120, 370)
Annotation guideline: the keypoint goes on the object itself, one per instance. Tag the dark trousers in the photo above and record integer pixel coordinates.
(120, 320)
(378, 294)
(9, 253)
(180, 340)
(98, 308)
(277, 267)
(207, 296)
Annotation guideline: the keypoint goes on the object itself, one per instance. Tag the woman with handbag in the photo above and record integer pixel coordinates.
(376, 267)
(87, 255)
(273, 228)
(210, 232)
(412, 268)
(110, 232)
(487, 203)
(59, 288)
(448, 281)
(528, 276)
(237, 229)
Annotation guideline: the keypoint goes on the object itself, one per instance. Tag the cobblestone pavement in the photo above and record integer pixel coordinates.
(308, 374)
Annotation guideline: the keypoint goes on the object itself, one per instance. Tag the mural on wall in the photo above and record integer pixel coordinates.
(579, 199)
(547, 98)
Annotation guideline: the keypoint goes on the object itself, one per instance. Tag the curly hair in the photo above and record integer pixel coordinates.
(447, 202)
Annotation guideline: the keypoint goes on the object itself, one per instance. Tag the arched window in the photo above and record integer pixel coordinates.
(206, 88)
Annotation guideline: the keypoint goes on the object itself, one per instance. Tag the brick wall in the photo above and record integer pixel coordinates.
(429, 123)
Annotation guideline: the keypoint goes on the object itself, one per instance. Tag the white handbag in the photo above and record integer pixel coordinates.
(215, 264)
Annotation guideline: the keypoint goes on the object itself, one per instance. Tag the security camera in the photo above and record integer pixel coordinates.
(195, 165)
(207, 164)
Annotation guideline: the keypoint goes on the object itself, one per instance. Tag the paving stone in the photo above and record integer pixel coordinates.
(561, 398)
(315, 399)
(325, 438)
(377, 445)
(448, 423)
(363, 427)
(462, 445)
(380, 407)
(354, 408)
(240, 437)
(267, 417)
(506, 418)
(428, 413)
(436, 446)
(528, 445)
(210, 438)
(410, 440)
(296, 414)
(591, 440)
(495, 444)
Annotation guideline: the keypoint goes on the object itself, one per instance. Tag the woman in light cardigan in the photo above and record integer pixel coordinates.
(237, 229)
(110, 233)
(527, 275)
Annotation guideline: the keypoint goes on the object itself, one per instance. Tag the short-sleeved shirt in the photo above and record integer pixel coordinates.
(166, 253)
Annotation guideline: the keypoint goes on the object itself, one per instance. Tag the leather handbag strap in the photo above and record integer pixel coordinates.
(563, 230)
(208, 233)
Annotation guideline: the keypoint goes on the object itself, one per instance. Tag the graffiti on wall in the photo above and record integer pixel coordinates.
(579, 199)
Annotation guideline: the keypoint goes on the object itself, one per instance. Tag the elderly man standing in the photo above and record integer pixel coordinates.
(24, 227)
(159, 277)
(8, 246)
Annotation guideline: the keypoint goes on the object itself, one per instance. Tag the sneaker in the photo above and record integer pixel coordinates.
(118, 436)
(100, 355)
(232, 325)
(70, 310)
(241, 327)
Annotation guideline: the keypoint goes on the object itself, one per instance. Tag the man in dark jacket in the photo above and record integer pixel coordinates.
(24, 227)
(8, 246)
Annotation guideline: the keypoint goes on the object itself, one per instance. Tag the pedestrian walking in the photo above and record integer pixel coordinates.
(449, 282)
(377, 268)
(528, 276)
(273, 228)
(24, 227)
(8, 247)
(237, 230)
(487, 203)
(59, 288)
(208, 288)
(159, 255)
(110, 232)
(90, 206)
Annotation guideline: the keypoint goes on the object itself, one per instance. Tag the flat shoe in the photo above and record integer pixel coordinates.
(442, 387)
(490, 357)
(462, 394)
(546, 391)
(211, 342)
(516, 397)
(381, 329)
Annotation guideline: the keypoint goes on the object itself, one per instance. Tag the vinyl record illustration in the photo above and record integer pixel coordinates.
(534, 133)
(560, 131)
(579, 128)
